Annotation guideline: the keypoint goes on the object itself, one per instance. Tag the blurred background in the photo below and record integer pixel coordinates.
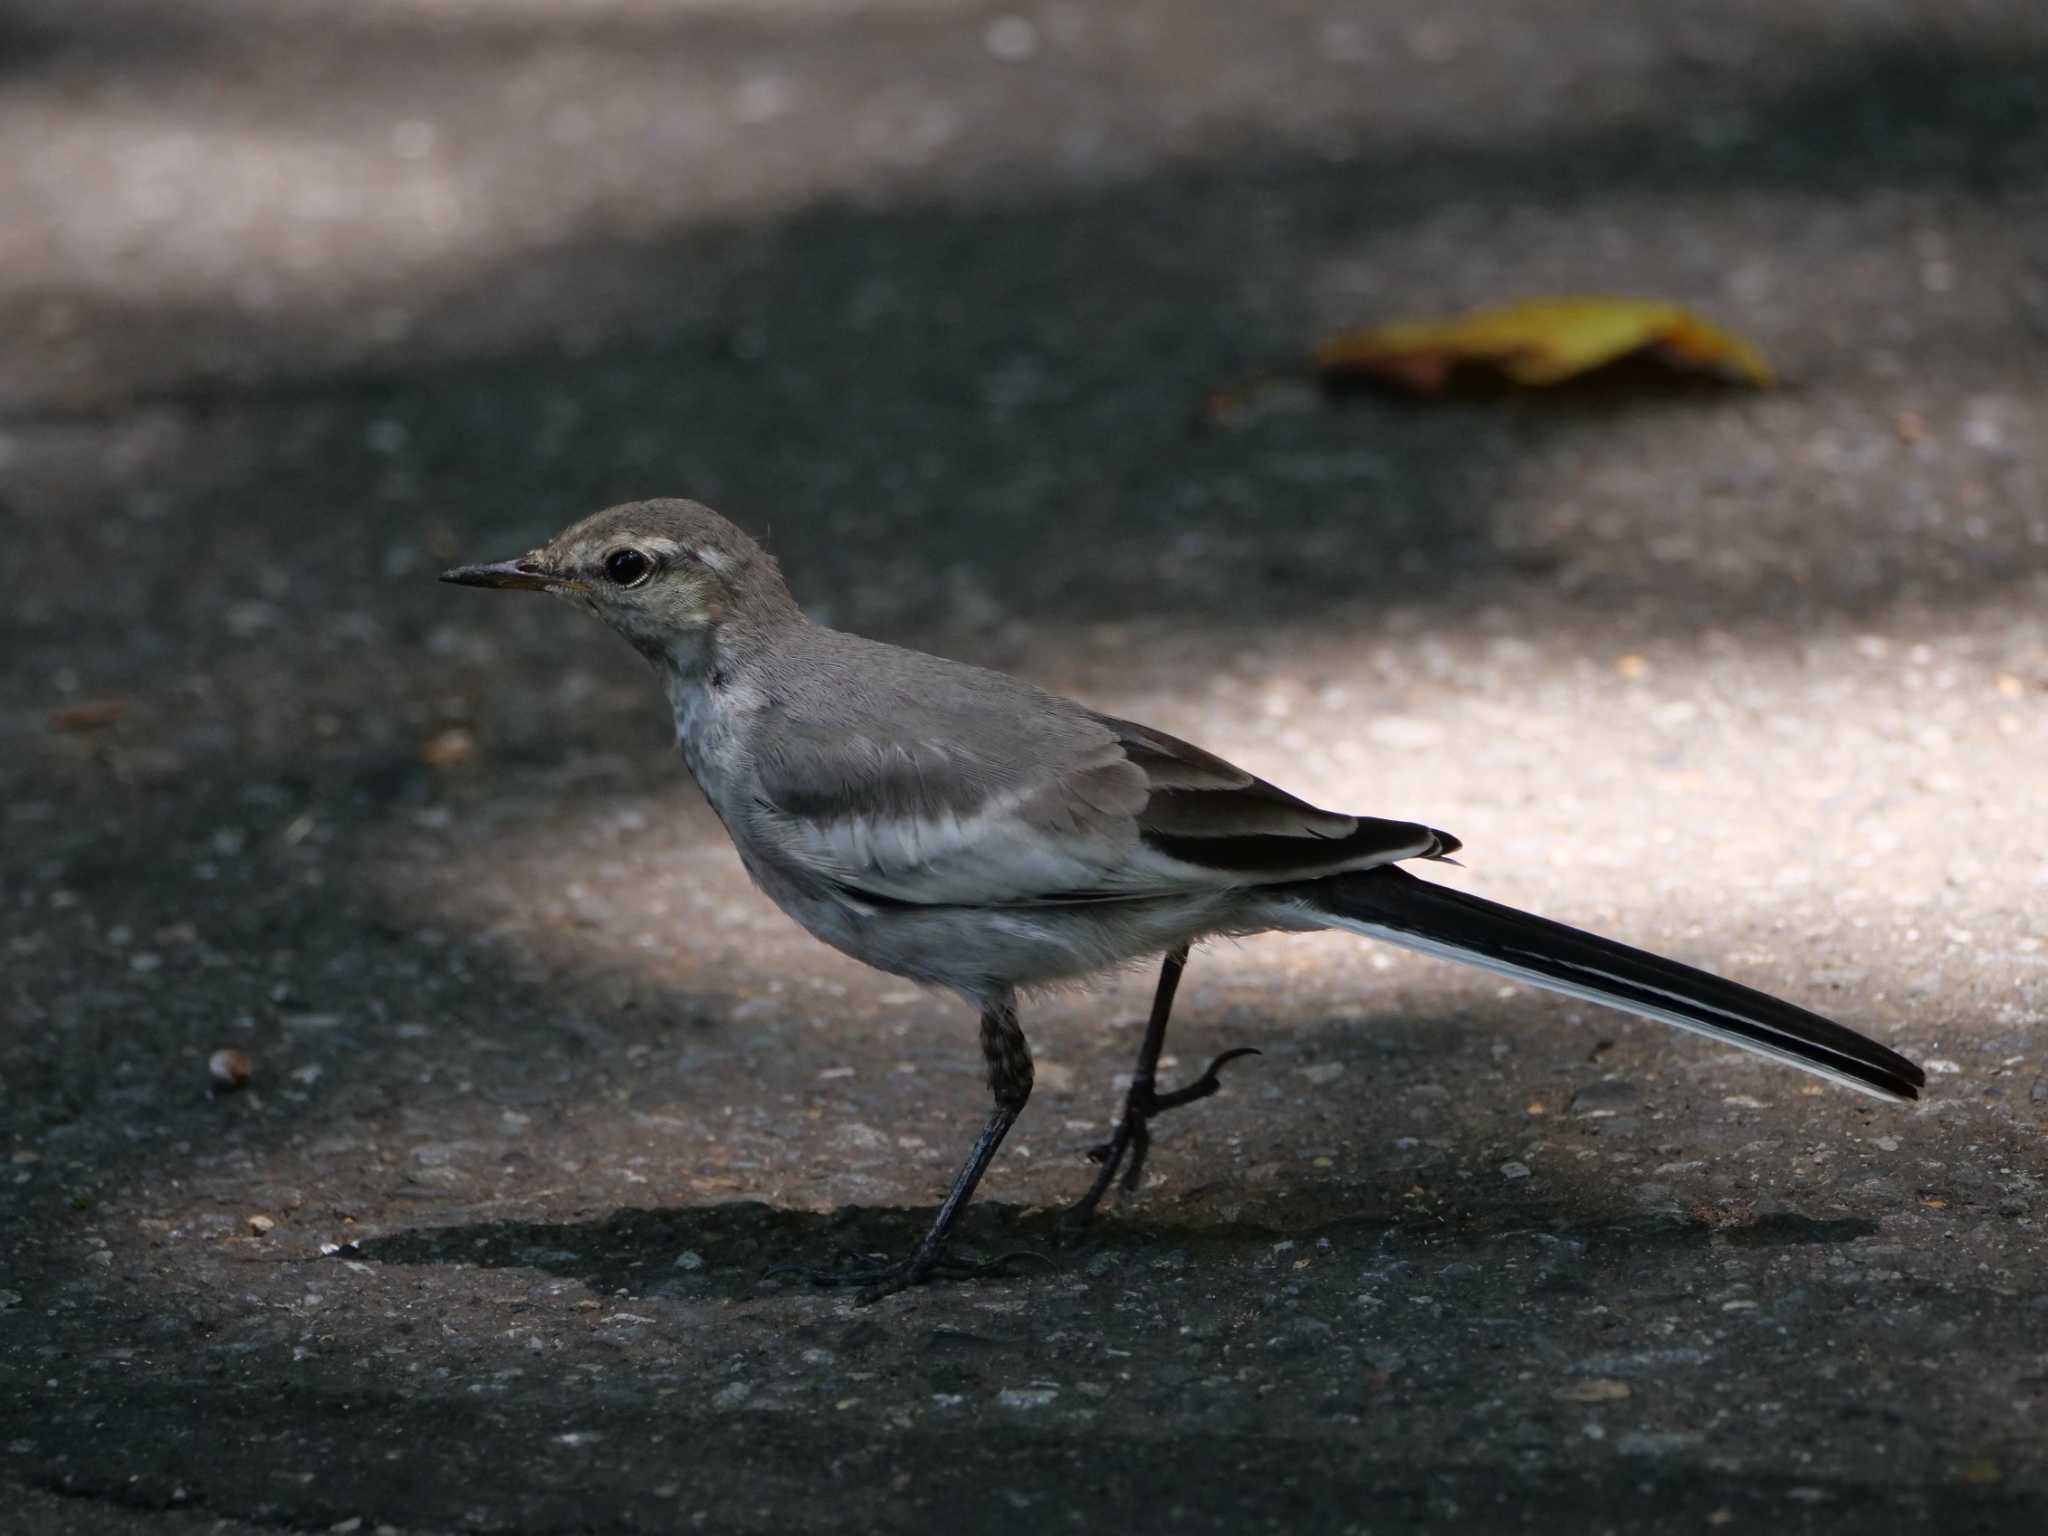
(301, 301)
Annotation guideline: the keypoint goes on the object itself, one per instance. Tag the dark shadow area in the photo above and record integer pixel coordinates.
(39, 36)
(725, 1252)
(1783, 1228)
(1638, 383)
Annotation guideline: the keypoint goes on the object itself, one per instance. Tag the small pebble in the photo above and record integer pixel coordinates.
(1301, 1336)
(1027, 1397)
(229, 1069)
(261, 1225)
(449, 749)
(1011, 39)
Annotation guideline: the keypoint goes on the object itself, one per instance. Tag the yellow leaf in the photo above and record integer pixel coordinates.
(1543, 341)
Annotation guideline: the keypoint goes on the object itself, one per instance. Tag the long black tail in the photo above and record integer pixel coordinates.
(1388, 903)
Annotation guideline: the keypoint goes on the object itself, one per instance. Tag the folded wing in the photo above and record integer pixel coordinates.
(1024, 799)
(1207, 815)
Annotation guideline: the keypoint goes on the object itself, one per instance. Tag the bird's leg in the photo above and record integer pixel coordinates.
(1009, 1083)
(1132, 1138)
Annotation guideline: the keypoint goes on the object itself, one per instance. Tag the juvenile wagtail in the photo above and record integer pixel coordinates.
(966, 830)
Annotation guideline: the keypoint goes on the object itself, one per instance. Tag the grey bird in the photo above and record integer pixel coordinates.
(966, 830)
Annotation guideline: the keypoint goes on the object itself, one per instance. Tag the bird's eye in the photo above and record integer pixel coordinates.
(627, 567)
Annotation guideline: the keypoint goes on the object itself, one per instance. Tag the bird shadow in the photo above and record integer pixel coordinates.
(731, 1251)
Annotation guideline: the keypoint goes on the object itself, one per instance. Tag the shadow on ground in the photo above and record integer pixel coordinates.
(730, 1251)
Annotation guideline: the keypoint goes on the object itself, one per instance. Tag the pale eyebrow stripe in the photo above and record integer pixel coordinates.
(669, 549)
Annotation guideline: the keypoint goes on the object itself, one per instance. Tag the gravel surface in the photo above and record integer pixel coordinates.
(403, 1093)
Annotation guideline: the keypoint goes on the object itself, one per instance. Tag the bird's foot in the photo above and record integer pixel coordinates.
(1132, 1139)
(877, 1277)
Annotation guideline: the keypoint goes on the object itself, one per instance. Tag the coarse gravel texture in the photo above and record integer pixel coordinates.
(300, 302)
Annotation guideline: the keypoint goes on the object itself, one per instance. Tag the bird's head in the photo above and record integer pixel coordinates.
(665, 574)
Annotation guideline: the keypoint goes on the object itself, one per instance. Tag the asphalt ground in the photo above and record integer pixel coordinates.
(299, 303)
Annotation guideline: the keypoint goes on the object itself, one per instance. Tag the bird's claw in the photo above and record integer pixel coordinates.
(1209, 1082)
(1134, 1140)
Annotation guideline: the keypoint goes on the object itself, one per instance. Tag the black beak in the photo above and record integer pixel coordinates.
(524, 574)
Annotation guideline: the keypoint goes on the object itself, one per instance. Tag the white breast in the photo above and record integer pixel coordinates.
(707, 734)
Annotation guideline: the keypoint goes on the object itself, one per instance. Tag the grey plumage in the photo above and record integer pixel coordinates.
(889, 800)
(962, 828)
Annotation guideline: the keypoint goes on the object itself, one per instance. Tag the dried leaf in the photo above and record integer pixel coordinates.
(1544, 341)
